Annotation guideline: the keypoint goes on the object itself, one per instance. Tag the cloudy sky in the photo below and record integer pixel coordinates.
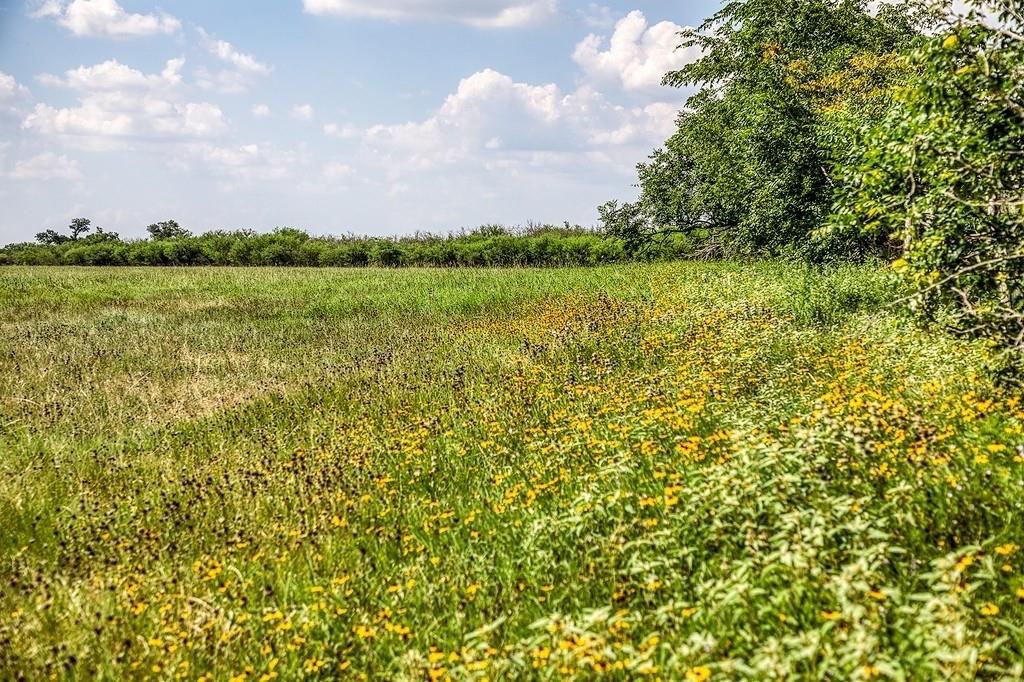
(366, 116)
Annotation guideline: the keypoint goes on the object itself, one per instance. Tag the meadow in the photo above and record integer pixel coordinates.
(668, 471)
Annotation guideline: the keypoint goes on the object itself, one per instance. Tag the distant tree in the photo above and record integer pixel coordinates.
(52, 237)
(101, 235)
(168, 229)
(78, 227)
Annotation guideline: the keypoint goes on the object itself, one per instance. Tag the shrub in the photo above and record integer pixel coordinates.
(943, 175)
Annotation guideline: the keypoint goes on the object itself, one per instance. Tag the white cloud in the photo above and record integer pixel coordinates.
(492, 121)
(245, 68)
(10, 89)
(261, 111)
(637, 56)
(12, 94)
(344, 132)
(226, 52)
(112, 75)
(302, 112)
(480, 13)
(117, 103)
(336, 170)
(242, 164)
(105, 18)
(47, 166)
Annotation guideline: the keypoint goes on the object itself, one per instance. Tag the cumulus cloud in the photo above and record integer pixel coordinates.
(226, 52)
(492, 120)
(261, 111)
(112, 75)
(480, 13)
(47, 166)
(637, 56)
(12, 94)
(302, 112)
(245, 68)
(118, 103)
(105, 18)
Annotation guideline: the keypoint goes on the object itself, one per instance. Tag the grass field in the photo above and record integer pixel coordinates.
(677, 471)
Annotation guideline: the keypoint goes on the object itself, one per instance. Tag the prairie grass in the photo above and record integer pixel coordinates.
(678, 471)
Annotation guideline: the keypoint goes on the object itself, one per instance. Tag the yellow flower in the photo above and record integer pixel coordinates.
(951, 42)
(831, 615)
(1008, 548)
(698, 674)
(989, 610)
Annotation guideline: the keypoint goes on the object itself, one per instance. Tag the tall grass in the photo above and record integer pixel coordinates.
(678, 471)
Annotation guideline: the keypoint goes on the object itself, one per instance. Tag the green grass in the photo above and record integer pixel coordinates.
(676, 471)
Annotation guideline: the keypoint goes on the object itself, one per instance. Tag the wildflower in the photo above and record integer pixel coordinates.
(989, 610)
(1008, 548)
(831, 615)
(698, 674)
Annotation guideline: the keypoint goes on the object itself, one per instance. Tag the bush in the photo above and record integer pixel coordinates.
(943, 176)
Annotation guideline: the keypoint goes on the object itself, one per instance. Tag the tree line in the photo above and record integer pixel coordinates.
(170, 244)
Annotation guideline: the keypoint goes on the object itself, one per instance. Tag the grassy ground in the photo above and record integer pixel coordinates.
(676, 471)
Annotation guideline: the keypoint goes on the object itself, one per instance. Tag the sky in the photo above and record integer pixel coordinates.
(379, 117)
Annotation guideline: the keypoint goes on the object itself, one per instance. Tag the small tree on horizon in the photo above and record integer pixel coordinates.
(78, 227)
(167, 229)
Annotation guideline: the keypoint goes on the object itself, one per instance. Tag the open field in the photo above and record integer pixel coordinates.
(678, 471)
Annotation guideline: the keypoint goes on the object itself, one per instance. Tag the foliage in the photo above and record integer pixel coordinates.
(167, 229)
(783, 83)
(51, 237)
(487, 246)
(639, 471)
(77, 228)
(943, 174)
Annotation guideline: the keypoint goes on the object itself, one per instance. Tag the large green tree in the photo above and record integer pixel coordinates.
(781, 86)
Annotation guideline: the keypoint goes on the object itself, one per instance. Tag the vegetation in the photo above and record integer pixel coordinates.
(665, 470)
(944, 174)
(784, 86)
(844, 130)
(487, 246)
(680, 471)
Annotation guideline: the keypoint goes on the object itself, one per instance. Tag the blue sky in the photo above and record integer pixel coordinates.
(336, 116)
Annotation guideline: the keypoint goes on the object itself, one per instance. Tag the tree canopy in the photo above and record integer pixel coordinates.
(782, 87)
